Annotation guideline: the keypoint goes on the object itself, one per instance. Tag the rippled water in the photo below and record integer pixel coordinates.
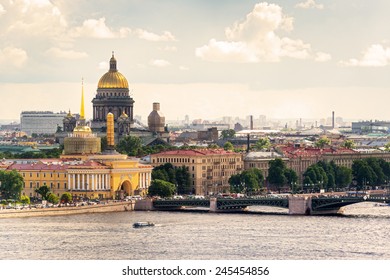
(362, 233)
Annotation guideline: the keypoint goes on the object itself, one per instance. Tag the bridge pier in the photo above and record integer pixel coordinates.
(144, 205)
(213, 205)
(299, 205)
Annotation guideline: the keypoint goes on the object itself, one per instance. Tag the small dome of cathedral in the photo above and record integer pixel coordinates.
(113, 78)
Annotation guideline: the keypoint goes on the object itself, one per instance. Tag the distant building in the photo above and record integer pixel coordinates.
(209, 169)
(370, 126)
(260, 160)
(41, 122)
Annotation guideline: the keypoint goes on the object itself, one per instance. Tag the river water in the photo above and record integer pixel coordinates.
(361, 233)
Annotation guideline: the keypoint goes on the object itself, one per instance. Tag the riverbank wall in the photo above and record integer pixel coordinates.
(88, 209)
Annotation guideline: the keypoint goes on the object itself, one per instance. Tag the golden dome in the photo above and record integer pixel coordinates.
(81, 129)
(113, 78)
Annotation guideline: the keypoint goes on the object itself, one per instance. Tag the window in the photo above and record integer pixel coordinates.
(58, 185)
(31, 185)
(44, 175)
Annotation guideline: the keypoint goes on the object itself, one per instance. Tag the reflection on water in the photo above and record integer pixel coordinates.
(361, 233)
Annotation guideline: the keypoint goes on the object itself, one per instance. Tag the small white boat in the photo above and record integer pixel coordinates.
(143, 224)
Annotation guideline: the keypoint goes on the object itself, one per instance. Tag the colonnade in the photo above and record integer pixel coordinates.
(144, 180)
(88, 181)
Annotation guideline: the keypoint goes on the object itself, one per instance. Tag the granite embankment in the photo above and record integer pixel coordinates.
(98, 208)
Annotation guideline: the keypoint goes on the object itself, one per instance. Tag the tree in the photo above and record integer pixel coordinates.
(11, 184)
(248, 181)
(103, 143)
(52, 198)
(25, 199)
(228, 146)
(349, 144)
(129, 145)
(276, 173)
(228, 133)
(183, 180)
(161, 188)
(66, 197)
(322, 142)
(44, 191)
(213, 146)
(387, 147)
(262, 144)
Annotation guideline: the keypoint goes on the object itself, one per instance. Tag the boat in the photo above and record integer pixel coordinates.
(382, 204)
(143, 224)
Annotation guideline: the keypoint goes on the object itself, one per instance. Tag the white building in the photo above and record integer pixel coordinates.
(40, 122)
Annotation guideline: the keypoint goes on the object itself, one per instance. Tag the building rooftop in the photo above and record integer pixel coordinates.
(196, 152)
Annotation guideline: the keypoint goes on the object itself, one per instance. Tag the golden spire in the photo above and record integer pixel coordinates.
(82, 116)
(110, 130)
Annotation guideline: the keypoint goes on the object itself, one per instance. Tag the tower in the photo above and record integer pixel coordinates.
(110, 131)
(156, 119)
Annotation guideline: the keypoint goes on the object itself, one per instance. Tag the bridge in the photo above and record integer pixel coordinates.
(297, 204)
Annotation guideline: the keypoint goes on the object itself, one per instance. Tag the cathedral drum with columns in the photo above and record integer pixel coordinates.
(113, 96)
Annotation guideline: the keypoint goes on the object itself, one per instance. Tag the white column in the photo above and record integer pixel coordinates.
(68, 181)
(93, 182)
(108, 182)
(74, 181)
(88, 186)
(83, 182)
(78, 181)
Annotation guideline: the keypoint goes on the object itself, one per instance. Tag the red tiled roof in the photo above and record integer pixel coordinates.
(196, 152)
(292, 152)
(56, 165)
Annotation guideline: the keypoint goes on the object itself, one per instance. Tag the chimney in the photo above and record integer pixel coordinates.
(156, 106)
(332, 119)
(251, 122)
(247, 143)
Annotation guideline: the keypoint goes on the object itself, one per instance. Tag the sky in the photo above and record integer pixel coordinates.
(206, 59)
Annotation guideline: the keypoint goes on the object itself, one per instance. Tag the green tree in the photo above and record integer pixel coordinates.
(213, 146)
(262, 144)
(66, 197)
(248, 181)
(322, 142)
(228, 146)
(11, 184)
(228, 133)
(25, 199)
(44, 191)
(349, 144)
(129, 145)
(387, 147)
(103, 143)
(276, 173)
(183, 180)
(161, 188)
(52, 198)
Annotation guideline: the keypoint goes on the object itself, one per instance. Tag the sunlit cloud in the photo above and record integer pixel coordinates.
(255, 39)
(160, 63)
(67, 54)
(375, 56)
(309, 4)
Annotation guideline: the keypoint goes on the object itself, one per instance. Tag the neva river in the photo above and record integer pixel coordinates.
(362, 233)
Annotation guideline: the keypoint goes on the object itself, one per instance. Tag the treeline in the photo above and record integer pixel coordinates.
(178, 176)
(52, 153)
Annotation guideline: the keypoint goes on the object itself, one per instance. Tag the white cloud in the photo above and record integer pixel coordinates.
(35, 18)
(375, 56)
(15, 57)
(149, 36)
(160, 63)
(309, 4)
(322, 57)
(95, 29)
(254, 39)
(67, 54)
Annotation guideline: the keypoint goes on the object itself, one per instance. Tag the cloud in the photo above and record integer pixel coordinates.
(255, 39)
(309, 4)
(183, 68)
(168, 49)
(95, 29)
(375, 56)
(103, 65)
(14, 57)
(153, 37)
(160, 63)
(67, 54)
(34, 18)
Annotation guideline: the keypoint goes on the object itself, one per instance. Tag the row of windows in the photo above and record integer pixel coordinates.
(173, 160)
(43, 174)
(37, 185)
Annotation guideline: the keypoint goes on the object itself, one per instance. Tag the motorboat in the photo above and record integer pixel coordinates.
(143, 224)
